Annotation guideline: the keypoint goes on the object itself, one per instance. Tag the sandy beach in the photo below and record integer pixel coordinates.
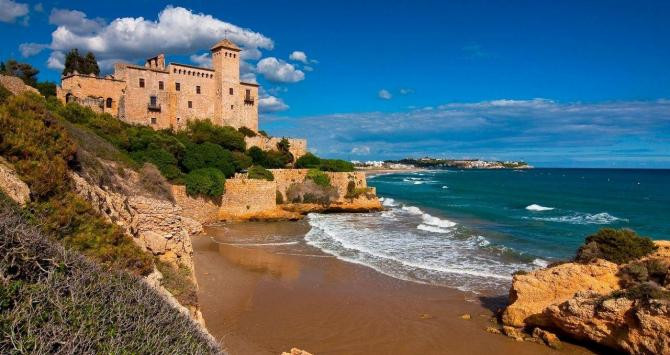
(264, 291)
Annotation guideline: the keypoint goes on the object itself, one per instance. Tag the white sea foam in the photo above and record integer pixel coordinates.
(435, 221)
(445, 186)
(583, 218)
(540, 262)
(418, 182)
(482, 242)
(433, 229)
(412, 210)
(388, 202)
(538, 208)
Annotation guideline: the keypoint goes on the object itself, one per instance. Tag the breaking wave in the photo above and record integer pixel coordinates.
(538, 208)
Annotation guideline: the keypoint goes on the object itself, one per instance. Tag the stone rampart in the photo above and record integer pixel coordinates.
(15, 85)
(201, 209)
(247, 197)
(298, 147)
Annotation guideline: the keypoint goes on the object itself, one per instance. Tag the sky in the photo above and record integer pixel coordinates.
(557, 84)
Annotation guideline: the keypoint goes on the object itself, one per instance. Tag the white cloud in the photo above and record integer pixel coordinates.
(538, 130)
(384, 94)
(202, 60)
(271, 104)
(299, 56)
(56, 61)
(76, 22)
(30, 49)
(277, 70)
(406, 91)
(176, 31)
(10, 10)
(307, 68)
(362, 150)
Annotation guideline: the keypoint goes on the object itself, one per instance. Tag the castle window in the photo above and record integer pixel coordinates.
(153, 120)
(234, 55)
(160, 85)
(190, 104)
(174, 70)
(141, 82)
(153, 100)
(177, 86)
(178, 119)
(108, 102)
(230, 91)
(197, 89)
(232, 106)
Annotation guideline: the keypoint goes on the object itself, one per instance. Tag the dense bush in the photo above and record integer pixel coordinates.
(308, 161)
(241, 161)
(269, 159)
(259, 172)
(54, 301)
(209, 155)
(161, 158)
(616, 245)
(205, 131)
(246, 131)
(319, 177)
(651, 270)
(336, 165)
(207, 181)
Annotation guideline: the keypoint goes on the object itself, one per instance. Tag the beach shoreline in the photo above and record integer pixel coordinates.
(265, 296)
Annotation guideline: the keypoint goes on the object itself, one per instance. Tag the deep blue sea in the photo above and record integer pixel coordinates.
(471, 229)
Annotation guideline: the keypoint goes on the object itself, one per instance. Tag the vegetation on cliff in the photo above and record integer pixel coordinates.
(616, 245)
(52, 300)
(259, 172)
(28, 74)
(311, 161)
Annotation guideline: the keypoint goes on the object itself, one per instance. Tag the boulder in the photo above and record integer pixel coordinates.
(515, 333)
(12, 186)
(532, 293)
(548, 338)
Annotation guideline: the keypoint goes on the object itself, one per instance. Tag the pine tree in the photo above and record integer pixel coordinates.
(82, 64)
(91, 64)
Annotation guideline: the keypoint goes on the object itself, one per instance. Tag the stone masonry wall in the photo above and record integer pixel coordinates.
(15, 85)
(246, 197)
(91, 91)
(298, 147)
(339, 180)
(201, 209)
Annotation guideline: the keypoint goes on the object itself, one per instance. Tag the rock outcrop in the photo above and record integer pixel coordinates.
(15, 85)
(634, 326)
(11, 185)
(587, 302)
(532, 293)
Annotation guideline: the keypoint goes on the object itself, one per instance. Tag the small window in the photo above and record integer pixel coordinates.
(108, 103)
(177, 86)
(153, 120)
(248, 93)
(174, 70)
(153, 101)
(190, 104)
(234, 55)
(178, 119)
(232, 106)
(160, 85)
(141, 83)
(230, 91)
(197, 89)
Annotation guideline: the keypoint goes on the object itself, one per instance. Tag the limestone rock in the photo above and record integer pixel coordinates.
(493, 330)
(15, 85)
(466, 316)
(547, 337)
(296, 351)
(635, 327)
(515, 333)
(12, 186)
(532, 293)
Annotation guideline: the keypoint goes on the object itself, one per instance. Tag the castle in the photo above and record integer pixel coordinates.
(169, 96)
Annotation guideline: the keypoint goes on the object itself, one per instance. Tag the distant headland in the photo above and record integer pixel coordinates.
(439, 163)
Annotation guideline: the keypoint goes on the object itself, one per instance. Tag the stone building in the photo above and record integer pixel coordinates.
(165, 96)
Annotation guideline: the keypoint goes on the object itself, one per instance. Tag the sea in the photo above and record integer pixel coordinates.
(472, 229)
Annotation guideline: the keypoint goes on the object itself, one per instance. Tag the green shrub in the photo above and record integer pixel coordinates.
(46, 88)
(283, 145)
(644, 292)
(246, 131)
(319, 177)
(259, 172)
(209, 155)
(166, 162)
(201, 131)
(616, 245)
(241, 161)
(263, 133)
(277, 160)
(257, 155)
(207, 181)
(336, 165)
(308, 161)
(4, 94)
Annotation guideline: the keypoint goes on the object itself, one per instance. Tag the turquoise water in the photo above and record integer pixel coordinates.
(495, 203)
(471, 229)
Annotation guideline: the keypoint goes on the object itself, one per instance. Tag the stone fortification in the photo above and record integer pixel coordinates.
(244, 198)
(202, 209)
(298, 147)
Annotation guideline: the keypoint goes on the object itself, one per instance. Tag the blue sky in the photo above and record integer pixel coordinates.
(569, 83)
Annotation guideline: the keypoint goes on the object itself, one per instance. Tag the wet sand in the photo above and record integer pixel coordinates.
(264, 291)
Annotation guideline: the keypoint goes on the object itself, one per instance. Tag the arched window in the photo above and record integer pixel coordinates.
(68, 98)
(108, 102)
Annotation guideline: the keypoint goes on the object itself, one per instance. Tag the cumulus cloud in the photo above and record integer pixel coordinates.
(384, 94)
(56, 61)
(539, 130)
(279, 71)
(406, 91)
(362, 150)
(299, 56)
(10, 10)
(271, 104)
(30, 49)
(176, 31)
(202, 60)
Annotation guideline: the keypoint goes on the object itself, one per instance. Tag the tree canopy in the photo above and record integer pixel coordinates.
(24, 71)
(86, 64)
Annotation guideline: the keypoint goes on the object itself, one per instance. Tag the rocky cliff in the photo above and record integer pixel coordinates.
(598, 302)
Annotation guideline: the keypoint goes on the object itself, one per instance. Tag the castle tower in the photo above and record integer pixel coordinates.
(226, 64)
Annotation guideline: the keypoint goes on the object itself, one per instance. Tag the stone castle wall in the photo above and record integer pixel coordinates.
(92, 91)
(247, 197)
(201, 209)
(298, 147)
(15, 85)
